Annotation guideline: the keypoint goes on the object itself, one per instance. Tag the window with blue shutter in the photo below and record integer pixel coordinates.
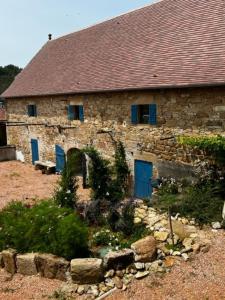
(134, 114)
(144, 114)
(81, 113)
(75, 112)
(152, 114)
(70, 111)
(32, 110)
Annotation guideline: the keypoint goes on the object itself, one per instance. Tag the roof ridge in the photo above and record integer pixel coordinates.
(107, 20)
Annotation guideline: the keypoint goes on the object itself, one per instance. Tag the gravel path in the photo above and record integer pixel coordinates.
(202, 278)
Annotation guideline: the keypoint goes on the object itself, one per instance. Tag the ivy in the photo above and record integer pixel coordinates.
(212, 145)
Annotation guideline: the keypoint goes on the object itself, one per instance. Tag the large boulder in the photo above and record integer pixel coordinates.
(145, 249)
(9, 260)
(51, 266)
(118, 259)
(26, 264)
(86, 270)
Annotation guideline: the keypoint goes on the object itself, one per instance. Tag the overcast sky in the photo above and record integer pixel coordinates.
(25, 24)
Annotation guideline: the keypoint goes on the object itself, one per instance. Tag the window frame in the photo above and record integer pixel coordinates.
(32, 110)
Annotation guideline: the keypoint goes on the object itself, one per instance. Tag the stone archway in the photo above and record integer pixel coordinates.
(79, 164)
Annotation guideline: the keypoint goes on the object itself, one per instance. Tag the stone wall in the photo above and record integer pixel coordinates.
(108, 117)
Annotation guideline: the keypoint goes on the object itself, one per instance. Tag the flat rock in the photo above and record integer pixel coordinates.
(140, 275)
(183, 231)
(26, 264)
(86, 270)
(161, 235)
(9, 260)
(145, 249)
(51, 266)
(118, 259)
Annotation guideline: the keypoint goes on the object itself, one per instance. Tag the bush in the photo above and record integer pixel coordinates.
(43, 228)
(105, 237)
(201, 203)
(124, 221)
(99, 174)
(65, 194)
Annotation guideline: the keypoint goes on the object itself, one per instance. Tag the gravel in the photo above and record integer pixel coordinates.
(201, 278)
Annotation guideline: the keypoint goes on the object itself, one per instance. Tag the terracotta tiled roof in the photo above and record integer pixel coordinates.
(172, 43)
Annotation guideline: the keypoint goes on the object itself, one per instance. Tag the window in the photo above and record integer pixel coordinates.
(144, 114)
(32, 110)
(76, 112)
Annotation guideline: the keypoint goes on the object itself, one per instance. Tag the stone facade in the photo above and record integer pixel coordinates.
(107, 117)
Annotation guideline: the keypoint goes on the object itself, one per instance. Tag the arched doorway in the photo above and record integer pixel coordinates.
(78, 163)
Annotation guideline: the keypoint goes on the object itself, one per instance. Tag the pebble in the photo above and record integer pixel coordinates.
(139, 266)
(140, 275)
(185, 256)
(110, 273)
(216, 225)
(176, 253)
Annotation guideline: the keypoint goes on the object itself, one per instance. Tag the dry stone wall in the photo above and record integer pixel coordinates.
(107, 117)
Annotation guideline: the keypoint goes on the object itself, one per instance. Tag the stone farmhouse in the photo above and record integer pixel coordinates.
(144, 78)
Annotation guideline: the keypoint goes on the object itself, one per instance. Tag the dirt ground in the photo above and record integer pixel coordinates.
(202, 278)
(21, 182)
(20, 287)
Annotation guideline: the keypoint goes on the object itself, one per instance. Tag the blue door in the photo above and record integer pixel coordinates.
(143, 175)
(60, 158)
(34, 150)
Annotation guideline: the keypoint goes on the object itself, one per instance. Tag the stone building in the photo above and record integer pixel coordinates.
(144, 78)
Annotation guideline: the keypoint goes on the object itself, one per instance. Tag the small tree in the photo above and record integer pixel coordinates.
(99, 174)
(121, 168)
(65, 194)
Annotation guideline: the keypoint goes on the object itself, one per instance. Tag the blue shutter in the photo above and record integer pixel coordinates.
(81, 113)
(34, 110)
(152, 114)
(29, 110)
(134, 114)
(70, 112)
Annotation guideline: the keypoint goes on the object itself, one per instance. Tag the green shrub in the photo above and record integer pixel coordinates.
(122, 221)
(201, 203)
(105, 237)
(99, 174)
(121, 168)
(43, 228)
(65, 194)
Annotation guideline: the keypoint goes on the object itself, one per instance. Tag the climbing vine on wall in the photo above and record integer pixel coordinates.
(212, 145)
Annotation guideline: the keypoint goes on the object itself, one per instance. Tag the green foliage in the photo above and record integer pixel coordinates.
(213, 145)
(65, 194)
(199, 201)
(122, 221)
(7, 75)
(121, 168)
(105, 237)
(43, 228)
(99, 174)
(202, 204)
